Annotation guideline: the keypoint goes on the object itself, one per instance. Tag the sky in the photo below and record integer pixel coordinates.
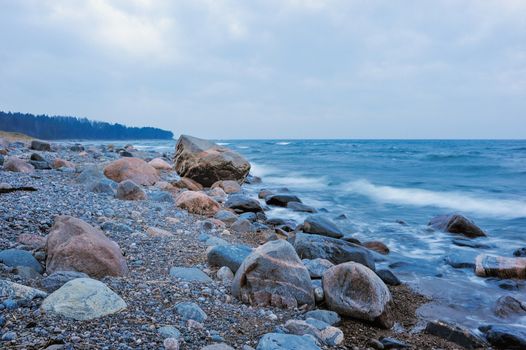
(274, 68)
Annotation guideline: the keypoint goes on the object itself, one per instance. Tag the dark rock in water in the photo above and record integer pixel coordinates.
(189, 274)
(349, 238)
(508, 285)
(401, 222)
(388, 277)
(280, 341)
(330, 317)
(190, 311)
(57, 279)
(273, 275)
(129, 190)
(264, 192)
(102, 185)
(460, 261)
(500, 266)
(231, 256)
(126, 154)
(37, 157)
(456, 223)
(377, 246)
(281, 200)
(241, 204)
(252, 179)
(206, 162)
(391, 343)
(505, 336)
(521, 252)
(507, 306)
(341, 217)
(310, 246)
(38, 145)
(456, 334)
(300, 207)
(462, 242)
(319, 224)
(17, 257)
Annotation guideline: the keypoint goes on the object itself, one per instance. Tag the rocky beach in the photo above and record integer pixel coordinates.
(113, 247)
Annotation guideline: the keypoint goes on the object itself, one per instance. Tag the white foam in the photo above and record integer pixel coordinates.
(450, 200)
(223, 143)
(283, 143)
(262, 170)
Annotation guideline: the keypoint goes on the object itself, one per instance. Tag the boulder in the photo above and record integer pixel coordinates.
(280, 341)
(189, 274)
(323, 332)
(507, 306)
(242, 225)
(38, 145)
(102, 185)
(500, 266)
(330, 317)
(388, 277)
(190, 311)
(161, 197)
(455, 223)
(273, 275)
(83, 299)
(17, 257)
(377, 246)
(353, 290)
(310, 246)
(229, 186)
(512, 337)
(40, 165)
(134, 169)
(242, 204)
(57, 279)
(317, 266)
(207, 163)
(226, 216)
(129, 190)
(160, 164)
(300, 207)
(197, 203)
(37, 157)
(231, 256)
(187, 183)
(282, 199)
(74, 245)
(18, 165)
(320, 225)
(456, 334)
(61, 163)
(12, 290)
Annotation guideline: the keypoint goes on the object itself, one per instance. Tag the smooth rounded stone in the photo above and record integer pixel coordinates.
(74, 245)
(130, 191)
(57, 279)
(273, 275)
(17, 291)
(455, 223)
(377, 246)
(330, 317)
(158, 232)
(319, 295)
(281, 199)
(241, 204)
(337, 251)
(8, 336)
(505, 336)
(300, 207)
(190, 311)
(508, 285)
(226, 216)
(471, 243)
(391, 343)
(460, 260)
(507, 306)
(18, 165)
(264, 192)
(83, 299)
(40, 165)
(102, 185)
(228, 186)
(218, 194)
(189, 184)
(134, 169)
(229, 255)
(126, 154)
(62, 163)
(225, 274)
(37, 157)
(321, 225)
(456, 334)
(17, 257)
(189, 274)
(161, 197)
(250, 216)
(219, 346)
(207, 162)
(197, 203)
(351, 289)
(500, 266)
(280, 341)
(39, 145)
(171, 344)
(388, 277)
(521, 252)
(317, 266)
(76, 148)
(169, 332)
(160, 164)
(242, 225)
(324, 333)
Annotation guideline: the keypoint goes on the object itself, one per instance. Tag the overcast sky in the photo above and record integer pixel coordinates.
(272, 68)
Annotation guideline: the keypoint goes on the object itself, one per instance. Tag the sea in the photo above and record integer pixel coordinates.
(388, 190)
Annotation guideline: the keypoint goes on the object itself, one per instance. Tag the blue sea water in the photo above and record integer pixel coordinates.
(377, 183)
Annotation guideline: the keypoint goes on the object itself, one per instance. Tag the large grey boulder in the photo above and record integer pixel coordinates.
(129, 190)
(18, 257)
(38, 145)
(206, 162)
(455, 223)
(279, 341)
(242, 204)
(231, 256)
(321, 225)
(83, 299)
(273, 275)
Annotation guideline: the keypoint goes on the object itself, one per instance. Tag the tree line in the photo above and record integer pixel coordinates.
(61, 128)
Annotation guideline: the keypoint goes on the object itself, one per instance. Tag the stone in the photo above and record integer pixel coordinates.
(300, 207)
(171, 344)
(17, 257)
(61, 163)
(27, 273)
(129, 190)
(391, 343)
(521, 252)
(17, 291)
(158, 232)
(160, 164)
(225, 274)
(161, 197)
(197, 203)
(456, 334)
(228, 186)
(190, 311)
(32, 241)
(281, 200)
(219, 346)
(207, 162)
(377, 246)
(507, 306)
(74, 245)
(226, 216)
(18, 165)
(57, 279)
(231, 256)
(458, 224)
(388, 277)
(311, 246)
(76, 148)
(102, 185)
(324, 333)
(317, 266)
(241, 204)
(169, 332)
(319, 224)
(37, 157)
(40, 165)
(189, 274)
(351, 289)
(469, 242)
(250, 216)
(273, 275)
(189, 184)
(330, 317)
(8, 336)
(242, 225)
(280, 341)
(38, 145)
(487, 265)
(134, 169)
(90, 173)
(83, 299)
(512, 337)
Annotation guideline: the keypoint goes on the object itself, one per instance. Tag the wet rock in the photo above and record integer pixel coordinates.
(264, 192)
(83, 299)
(310, 246)
(189, 274)
(134, 169)
(102, 185)
(57, 279)
(500, 266)
(300, 207)
(521, 252)
(160, 164)
(231, 256)
(317, 267)
(190, 311)
(354, 290)
(319, 224)
(460, 261)
(74, 245)
(507, 306)
(329, 317)
(197, 203)
(241, 204)
(228, 186)
(207, 163)
(391, 343)
(189, 184)
(38, 145)
(279, 341)
(17, 257)
(377, 246)
(388, 277)
(18, 165)
(463, 242)
(130, 191)
(505, 336)
(17, 291)
(509, 285)
(242, 225)
(455, 223)
(273, 275)
(455, 334)
(281, 200)
(323, 332)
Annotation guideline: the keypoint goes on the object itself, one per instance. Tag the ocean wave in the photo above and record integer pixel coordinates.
(297, 181)
(283, 143)
(262, 170)
(223, 143)
(449, 200)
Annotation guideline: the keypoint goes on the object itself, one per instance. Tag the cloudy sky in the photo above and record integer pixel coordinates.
(272, 68)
